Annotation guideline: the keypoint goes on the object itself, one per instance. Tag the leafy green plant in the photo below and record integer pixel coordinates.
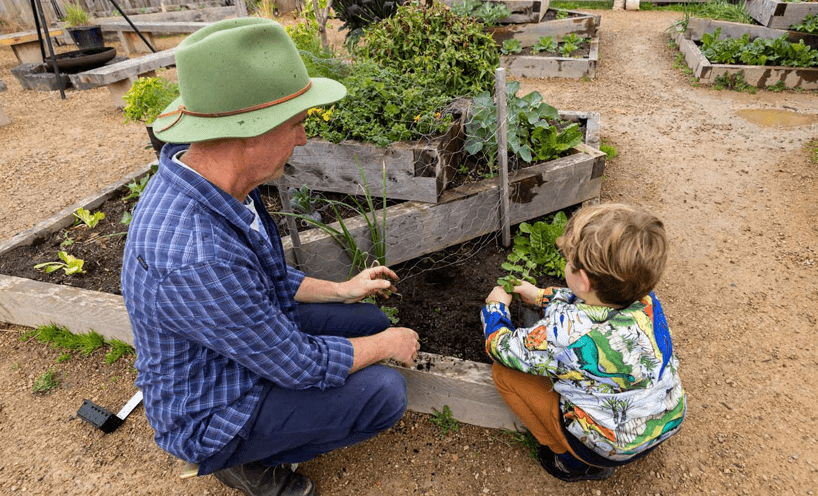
(570, 43)
(808, 25)
(444, 420)
(70, 264)
(434, 46)
(561, 14)
(609, 150)
(46, 382)
(87, 218)
(511, 46)
(357, 15)
(545, 44)
(377, 230)
(382, 106)
(535, 252)
(489, 13)
(319, 61)
(527, 440)
(777, 87)
(148, 97)
(76, 15)
(760, 51)
(524, 116)
(733, 82)
(391, 313)
(303, 200)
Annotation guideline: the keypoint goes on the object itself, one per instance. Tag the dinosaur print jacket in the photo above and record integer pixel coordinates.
(620, 393)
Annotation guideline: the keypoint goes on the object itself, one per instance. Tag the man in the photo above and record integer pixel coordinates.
(246, 365)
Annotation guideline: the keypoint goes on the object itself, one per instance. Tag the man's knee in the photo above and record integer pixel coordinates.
(390, 397)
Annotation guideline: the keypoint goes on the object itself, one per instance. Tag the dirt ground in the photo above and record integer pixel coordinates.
(740, 293)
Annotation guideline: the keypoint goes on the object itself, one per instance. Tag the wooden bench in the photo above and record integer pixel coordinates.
(132, 43)
(26, 45)
(119, 77)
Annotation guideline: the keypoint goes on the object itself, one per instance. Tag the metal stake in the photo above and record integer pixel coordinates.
(48, 42)
(132, 26)
(502, 151)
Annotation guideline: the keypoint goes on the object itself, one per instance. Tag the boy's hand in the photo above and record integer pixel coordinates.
(499, 294)
(528, 292)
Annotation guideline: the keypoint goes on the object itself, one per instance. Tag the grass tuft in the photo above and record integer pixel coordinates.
(61, 338)
(46, 382)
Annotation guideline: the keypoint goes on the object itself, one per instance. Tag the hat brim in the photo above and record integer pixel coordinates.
(190, 128)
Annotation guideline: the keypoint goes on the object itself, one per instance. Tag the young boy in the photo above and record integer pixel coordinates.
(595, 380)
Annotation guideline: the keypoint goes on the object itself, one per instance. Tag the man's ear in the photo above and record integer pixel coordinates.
(584, 281)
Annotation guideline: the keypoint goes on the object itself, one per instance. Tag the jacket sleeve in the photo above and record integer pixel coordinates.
(226, 309)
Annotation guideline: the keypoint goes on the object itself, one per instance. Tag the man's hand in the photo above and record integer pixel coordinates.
(499, 295)
(528, 292)
(375, 280)
(397, 343)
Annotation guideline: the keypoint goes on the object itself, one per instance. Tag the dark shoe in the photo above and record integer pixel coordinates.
(255, 479)
(552, 464)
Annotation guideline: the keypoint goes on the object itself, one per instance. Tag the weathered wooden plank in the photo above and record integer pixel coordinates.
(65, 217)
(325, 166)
(127, 69)
(582, 24)
(33, 303)
(780, 15)
(154, 27)
(464, 386)
(696, 27)
(414, 229)
(535, 66)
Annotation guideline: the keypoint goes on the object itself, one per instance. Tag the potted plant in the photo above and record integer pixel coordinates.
(86, 35)
(145, 101)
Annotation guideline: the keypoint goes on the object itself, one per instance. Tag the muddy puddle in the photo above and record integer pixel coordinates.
(777, 117)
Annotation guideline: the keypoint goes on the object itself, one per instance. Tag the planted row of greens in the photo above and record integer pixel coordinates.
(760, 51)
(569, 44)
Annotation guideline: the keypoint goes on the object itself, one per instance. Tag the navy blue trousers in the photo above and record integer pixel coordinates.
(292, 426)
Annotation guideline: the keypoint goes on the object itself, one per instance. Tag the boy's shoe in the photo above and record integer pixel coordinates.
(255, 479)
(552, 464)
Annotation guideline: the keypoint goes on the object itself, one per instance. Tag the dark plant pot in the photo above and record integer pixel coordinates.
(155, 142)
(87, 37)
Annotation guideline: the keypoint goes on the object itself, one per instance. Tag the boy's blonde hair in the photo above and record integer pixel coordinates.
(622, 249)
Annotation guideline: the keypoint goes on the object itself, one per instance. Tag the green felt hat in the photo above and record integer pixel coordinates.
(239, 78)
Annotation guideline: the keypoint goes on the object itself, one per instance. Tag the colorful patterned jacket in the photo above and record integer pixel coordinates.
(614, 369)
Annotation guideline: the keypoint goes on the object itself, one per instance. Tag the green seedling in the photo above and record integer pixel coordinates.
(545, 44)
(136, 187)
(527, 440)
(87, 218)
(70, 264)
(511, 46)
(45, 382)
(391, 313)
(444, 420)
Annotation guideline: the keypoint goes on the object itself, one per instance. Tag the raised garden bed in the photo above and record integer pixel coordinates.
(522, 11)
(754, 75)
(556, 23)
(542, 65)
(780, 15)
(413, 229)
(419, 170)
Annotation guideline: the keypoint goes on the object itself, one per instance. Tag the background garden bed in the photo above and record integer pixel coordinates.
(753, 75)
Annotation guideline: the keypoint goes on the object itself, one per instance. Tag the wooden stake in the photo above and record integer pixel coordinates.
(284, 196)
(502, 151)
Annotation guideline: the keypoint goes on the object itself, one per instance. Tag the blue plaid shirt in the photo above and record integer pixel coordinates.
(211, 303)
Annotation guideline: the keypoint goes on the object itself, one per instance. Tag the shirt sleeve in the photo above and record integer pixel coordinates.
(523, 349)
(227, 309)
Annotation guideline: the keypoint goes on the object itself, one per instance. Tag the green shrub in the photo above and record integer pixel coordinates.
(76, 16)
(357, 15)
(148, 97)
(434, 45)
(381, 106)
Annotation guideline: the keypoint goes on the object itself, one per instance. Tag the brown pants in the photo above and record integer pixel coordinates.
(534, 400)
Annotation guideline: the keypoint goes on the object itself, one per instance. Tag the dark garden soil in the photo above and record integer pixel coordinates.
(439, 294)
